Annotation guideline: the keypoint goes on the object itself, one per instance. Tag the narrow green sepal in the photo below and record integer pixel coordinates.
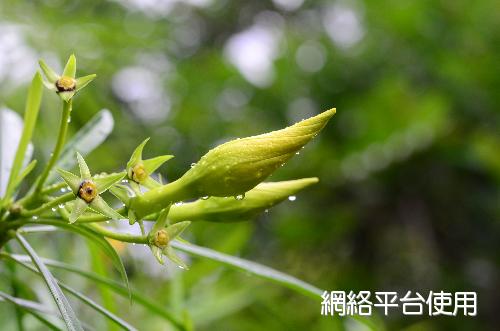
(49, 73)
(121, 192)
(103, 183)
(150, 183)
(137, 154)
(172, 256)
(50, 86)
(152, 164)
(84, 169)
(132, 218)
(81, 82)
(157, 253)
(66, 96)
(79, 208)
(72, 180)
(176, 229)
(70, 68)
(99, 205)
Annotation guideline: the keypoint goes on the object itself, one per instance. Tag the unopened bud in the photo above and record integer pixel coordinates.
(161, 238)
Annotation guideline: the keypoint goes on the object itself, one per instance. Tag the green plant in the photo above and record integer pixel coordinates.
(225, 185)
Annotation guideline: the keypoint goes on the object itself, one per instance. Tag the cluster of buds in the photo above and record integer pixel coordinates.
(236, 168)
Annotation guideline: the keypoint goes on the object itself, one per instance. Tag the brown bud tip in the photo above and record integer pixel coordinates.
(66, 84)
(139, 173)
(87, 191)
(161, 238)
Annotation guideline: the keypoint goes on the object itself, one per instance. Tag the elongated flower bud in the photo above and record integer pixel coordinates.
(235, 167)
(258, 199)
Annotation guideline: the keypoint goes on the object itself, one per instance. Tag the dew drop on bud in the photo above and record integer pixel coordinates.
(205, 197)
(69, 119)
(178, 203)
(193, 164)
(63, 190)
(53, 209)
(292, 198)
(240, 197)
(61, 206)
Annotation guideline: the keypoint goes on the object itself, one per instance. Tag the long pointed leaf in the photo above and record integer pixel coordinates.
(30, 117)
(102, 243)
(118, 288)
(62, 303)
(252, 268)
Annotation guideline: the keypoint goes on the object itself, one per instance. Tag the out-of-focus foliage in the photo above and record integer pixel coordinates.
(409, 167)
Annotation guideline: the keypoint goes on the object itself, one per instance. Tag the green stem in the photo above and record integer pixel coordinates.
(61, 138)
(52, 203)
(160, 198)
(125, 237)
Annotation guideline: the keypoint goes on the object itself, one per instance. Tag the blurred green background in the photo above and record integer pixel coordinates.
(409, 167)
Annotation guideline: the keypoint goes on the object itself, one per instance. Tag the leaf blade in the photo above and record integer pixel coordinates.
(62, 303)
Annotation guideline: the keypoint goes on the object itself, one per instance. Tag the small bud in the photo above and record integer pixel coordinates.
(161, 238)
(138, 173)
(66, 84)
(87, 191)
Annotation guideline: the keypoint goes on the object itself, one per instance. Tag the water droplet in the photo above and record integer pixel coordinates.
(69, 119)
(205, 197)
(193, 164)
(53, 209)
(178, 203)
(181, 267)
(124, 181)
(266, 211)
(35, 217)
(63, 190)
(292, 198)
(61, 205)
(240, 196)
(297, 153)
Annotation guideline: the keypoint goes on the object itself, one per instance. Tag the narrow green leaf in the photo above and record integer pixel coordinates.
(29, 168)
(97, 239)
(62, 303)
(256, 269)
(137, 297)
(32, 307)
(90, 136)
(84, 299)
(103, 183)
(30, 117)
(70, 68)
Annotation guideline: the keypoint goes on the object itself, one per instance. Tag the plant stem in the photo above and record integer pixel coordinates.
(61, 138)
(52, 203)
(125, 237)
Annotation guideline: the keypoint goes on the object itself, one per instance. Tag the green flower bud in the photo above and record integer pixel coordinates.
(260, 198)
(239, 165)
